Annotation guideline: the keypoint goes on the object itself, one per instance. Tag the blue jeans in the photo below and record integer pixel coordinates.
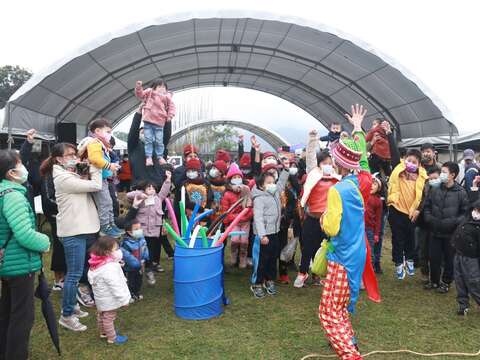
(75, 250)
(153, 137)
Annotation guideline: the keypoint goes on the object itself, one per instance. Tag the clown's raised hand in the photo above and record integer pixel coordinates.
(357, 116)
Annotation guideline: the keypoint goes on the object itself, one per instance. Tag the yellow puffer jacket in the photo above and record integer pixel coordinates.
(394, 186)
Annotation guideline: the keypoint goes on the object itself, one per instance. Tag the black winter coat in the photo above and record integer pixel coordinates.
(466, 239)
(445, 209)
(49, 203)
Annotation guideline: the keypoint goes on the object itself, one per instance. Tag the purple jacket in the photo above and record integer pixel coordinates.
(150, 217)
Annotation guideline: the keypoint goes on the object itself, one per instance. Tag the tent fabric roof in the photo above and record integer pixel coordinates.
(442, 140)
(320, 69)
(271, 137)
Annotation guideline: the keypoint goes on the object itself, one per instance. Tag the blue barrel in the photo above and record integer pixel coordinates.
(198, 282)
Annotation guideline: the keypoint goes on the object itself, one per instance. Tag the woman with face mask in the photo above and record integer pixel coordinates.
(21, 247)
(77, 226)
(150, 217)
(236, 189)
(320, 178)
(267, 211)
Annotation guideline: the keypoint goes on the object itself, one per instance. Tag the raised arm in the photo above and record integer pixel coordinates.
(392, 142)
(240, 147)
(311, 155)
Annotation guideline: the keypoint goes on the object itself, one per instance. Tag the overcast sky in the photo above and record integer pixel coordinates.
(437, 41)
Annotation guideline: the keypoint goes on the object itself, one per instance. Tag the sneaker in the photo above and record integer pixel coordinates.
(462, 311)
(132, 300)
(400, 271)
(316, 281)
(71, 323)
(108, 230)
(284, 279)
(79, 313)
(258, 291)
(410, 268)
(57, 286)
(84, 298)
(377, 268)
(430, 286)
(159, 268)
(148, 161)
(443, 288)
(119, 340)
(270, 287)
(300, 280)
(150, 278)
(117, 229)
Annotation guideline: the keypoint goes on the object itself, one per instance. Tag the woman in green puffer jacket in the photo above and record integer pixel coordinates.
(21, 246)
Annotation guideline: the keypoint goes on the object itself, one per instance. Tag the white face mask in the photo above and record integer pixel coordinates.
(192, 174)
(444, 177)
(236, 181)
(293, 171)
(271, 188)
(137, 234)
(327, 169)
(476, 215)
(435, 183)
(214, 173)
(21, 174)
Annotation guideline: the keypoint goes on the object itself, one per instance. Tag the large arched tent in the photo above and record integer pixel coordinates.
(318, 68)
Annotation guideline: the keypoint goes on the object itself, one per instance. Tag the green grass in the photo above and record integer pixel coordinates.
(281, 327)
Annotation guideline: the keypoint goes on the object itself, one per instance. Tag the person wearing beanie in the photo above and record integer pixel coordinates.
(269, 157)
(216, 177)
(223, 155)
(235, 189)
(245, 165)
(179, 175)
(197, 188)
(471, 169)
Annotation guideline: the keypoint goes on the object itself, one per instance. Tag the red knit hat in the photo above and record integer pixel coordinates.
(223, 155)
(188, 149)
(194, 164)
(221, 165)
(245, 161)
(234, 170)
(347, 154)
(269, 154)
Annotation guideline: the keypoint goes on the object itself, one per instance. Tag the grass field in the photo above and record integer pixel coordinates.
(281, 327)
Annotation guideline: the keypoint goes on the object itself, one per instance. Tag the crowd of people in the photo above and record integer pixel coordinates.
(346, 192)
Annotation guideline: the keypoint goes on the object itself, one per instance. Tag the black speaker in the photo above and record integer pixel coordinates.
(67, 132)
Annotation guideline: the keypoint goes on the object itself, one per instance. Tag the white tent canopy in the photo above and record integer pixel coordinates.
(320, 69)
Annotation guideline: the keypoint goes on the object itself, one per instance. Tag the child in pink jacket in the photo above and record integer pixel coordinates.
(150, 217)
(159, 108)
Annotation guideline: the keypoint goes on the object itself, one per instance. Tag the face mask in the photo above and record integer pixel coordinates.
(293, 171)
(410, 167)
(117, 255)
(443, 177)
(70, 164)
(271, 188)
(246, 171)
(22, 174)
(192, 174)
(213, 173)
(327, 169)
(435, 183)
(236, 181)
(476, 215)
(137, 234)
(107, 136)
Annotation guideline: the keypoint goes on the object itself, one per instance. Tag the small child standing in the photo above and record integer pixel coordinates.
(96, 148)
(235, 190)
(159, 109)
(135, 252)
(373, 220)
(466, 242)
(150, 217)
(380, 149)
(109, 286)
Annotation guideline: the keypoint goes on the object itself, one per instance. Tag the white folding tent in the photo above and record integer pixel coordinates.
(318, 68)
